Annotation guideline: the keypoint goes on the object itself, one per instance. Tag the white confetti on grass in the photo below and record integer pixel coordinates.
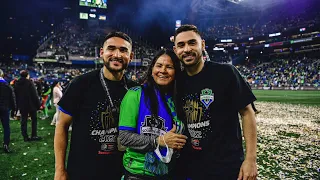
(288, 137)
(24, 154)
(36, 159)
(24, 174)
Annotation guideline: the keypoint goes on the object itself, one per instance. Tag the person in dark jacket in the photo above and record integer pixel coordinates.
(7, 103)
(28, 103)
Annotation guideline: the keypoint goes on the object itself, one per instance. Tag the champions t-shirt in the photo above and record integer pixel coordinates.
(93, 147)
(210, 102)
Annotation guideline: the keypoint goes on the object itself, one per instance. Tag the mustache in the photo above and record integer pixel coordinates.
(120, 60)
(188, 54)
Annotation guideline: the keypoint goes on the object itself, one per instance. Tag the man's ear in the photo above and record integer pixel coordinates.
(101, 52)
(203, 44)
(131, 56)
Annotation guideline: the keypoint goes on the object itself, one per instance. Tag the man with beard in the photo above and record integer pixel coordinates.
(211, 96)
(91, 103)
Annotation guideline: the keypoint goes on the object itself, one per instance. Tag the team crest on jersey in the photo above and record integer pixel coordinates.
(206, 97)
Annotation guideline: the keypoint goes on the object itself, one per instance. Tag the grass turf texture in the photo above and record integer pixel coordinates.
(293, 97)
(35, 160)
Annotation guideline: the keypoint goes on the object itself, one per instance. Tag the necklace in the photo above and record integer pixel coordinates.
(106, 89)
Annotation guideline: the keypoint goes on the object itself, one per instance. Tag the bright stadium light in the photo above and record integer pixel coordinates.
(235, 1)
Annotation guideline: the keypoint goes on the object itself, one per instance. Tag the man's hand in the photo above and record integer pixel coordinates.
(173, 140)
(248, 170)
(60, 175)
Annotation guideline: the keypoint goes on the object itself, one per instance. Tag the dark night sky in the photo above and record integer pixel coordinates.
(26, 21)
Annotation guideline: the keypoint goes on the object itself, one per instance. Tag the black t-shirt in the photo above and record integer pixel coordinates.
(210, 102)
(93, 147)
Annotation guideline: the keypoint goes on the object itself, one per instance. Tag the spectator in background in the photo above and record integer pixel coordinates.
(45, 92)
(28, 103)
(7, 103)
(249, 82)
(57, 95)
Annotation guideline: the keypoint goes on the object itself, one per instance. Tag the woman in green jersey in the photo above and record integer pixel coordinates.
(148, 124)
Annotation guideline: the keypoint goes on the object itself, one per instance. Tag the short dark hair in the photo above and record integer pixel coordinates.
(24, 73)
(119, 35)
(186, 27)
(249, 77)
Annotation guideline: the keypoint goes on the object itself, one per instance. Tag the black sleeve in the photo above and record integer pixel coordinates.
(70, 100)
(240, 91)
(13, 105)
(138, 142)
(34, 95)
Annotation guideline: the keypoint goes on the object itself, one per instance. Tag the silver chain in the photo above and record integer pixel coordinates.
(105, 87)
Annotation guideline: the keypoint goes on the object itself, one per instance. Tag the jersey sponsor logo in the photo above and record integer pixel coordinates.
(206, 97)
(153, 125)
(199, 125)
(196, 144)
(105, 147)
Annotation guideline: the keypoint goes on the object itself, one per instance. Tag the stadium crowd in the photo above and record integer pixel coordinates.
(260, 25)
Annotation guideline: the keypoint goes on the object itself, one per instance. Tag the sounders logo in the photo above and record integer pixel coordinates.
(206, 97)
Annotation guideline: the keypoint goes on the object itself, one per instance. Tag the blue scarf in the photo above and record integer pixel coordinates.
(156, 127)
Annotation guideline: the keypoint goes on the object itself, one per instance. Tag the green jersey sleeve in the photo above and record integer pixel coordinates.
(129, 109)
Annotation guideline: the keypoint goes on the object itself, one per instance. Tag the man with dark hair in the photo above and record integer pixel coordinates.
(7, 103)
(91, 103)
(249, 82)
(210, 107)
(28, 103)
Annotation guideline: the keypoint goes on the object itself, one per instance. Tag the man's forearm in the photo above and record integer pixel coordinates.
(60, 146)
(250, 133)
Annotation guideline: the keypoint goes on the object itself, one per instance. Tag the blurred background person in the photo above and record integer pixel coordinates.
(28, 104)
(57, 95)
(7, 103)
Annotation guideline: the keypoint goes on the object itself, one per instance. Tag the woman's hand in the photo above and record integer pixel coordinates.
(173, 140)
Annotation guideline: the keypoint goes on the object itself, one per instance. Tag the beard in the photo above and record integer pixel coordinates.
(196, 60)
(107, 64)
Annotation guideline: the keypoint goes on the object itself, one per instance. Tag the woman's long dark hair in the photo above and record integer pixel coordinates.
(149, 90)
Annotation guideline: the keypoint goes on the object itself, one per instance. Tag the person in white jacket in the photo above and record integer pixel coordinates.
(57, 94)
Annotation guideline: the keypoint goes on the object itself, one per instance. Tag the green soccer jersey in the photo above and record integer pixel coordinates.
(136, 117)
(133, 161)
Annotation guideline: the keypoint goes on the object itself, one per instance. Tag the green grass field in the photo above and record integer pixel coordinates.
(35, 160)
(293, 97)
